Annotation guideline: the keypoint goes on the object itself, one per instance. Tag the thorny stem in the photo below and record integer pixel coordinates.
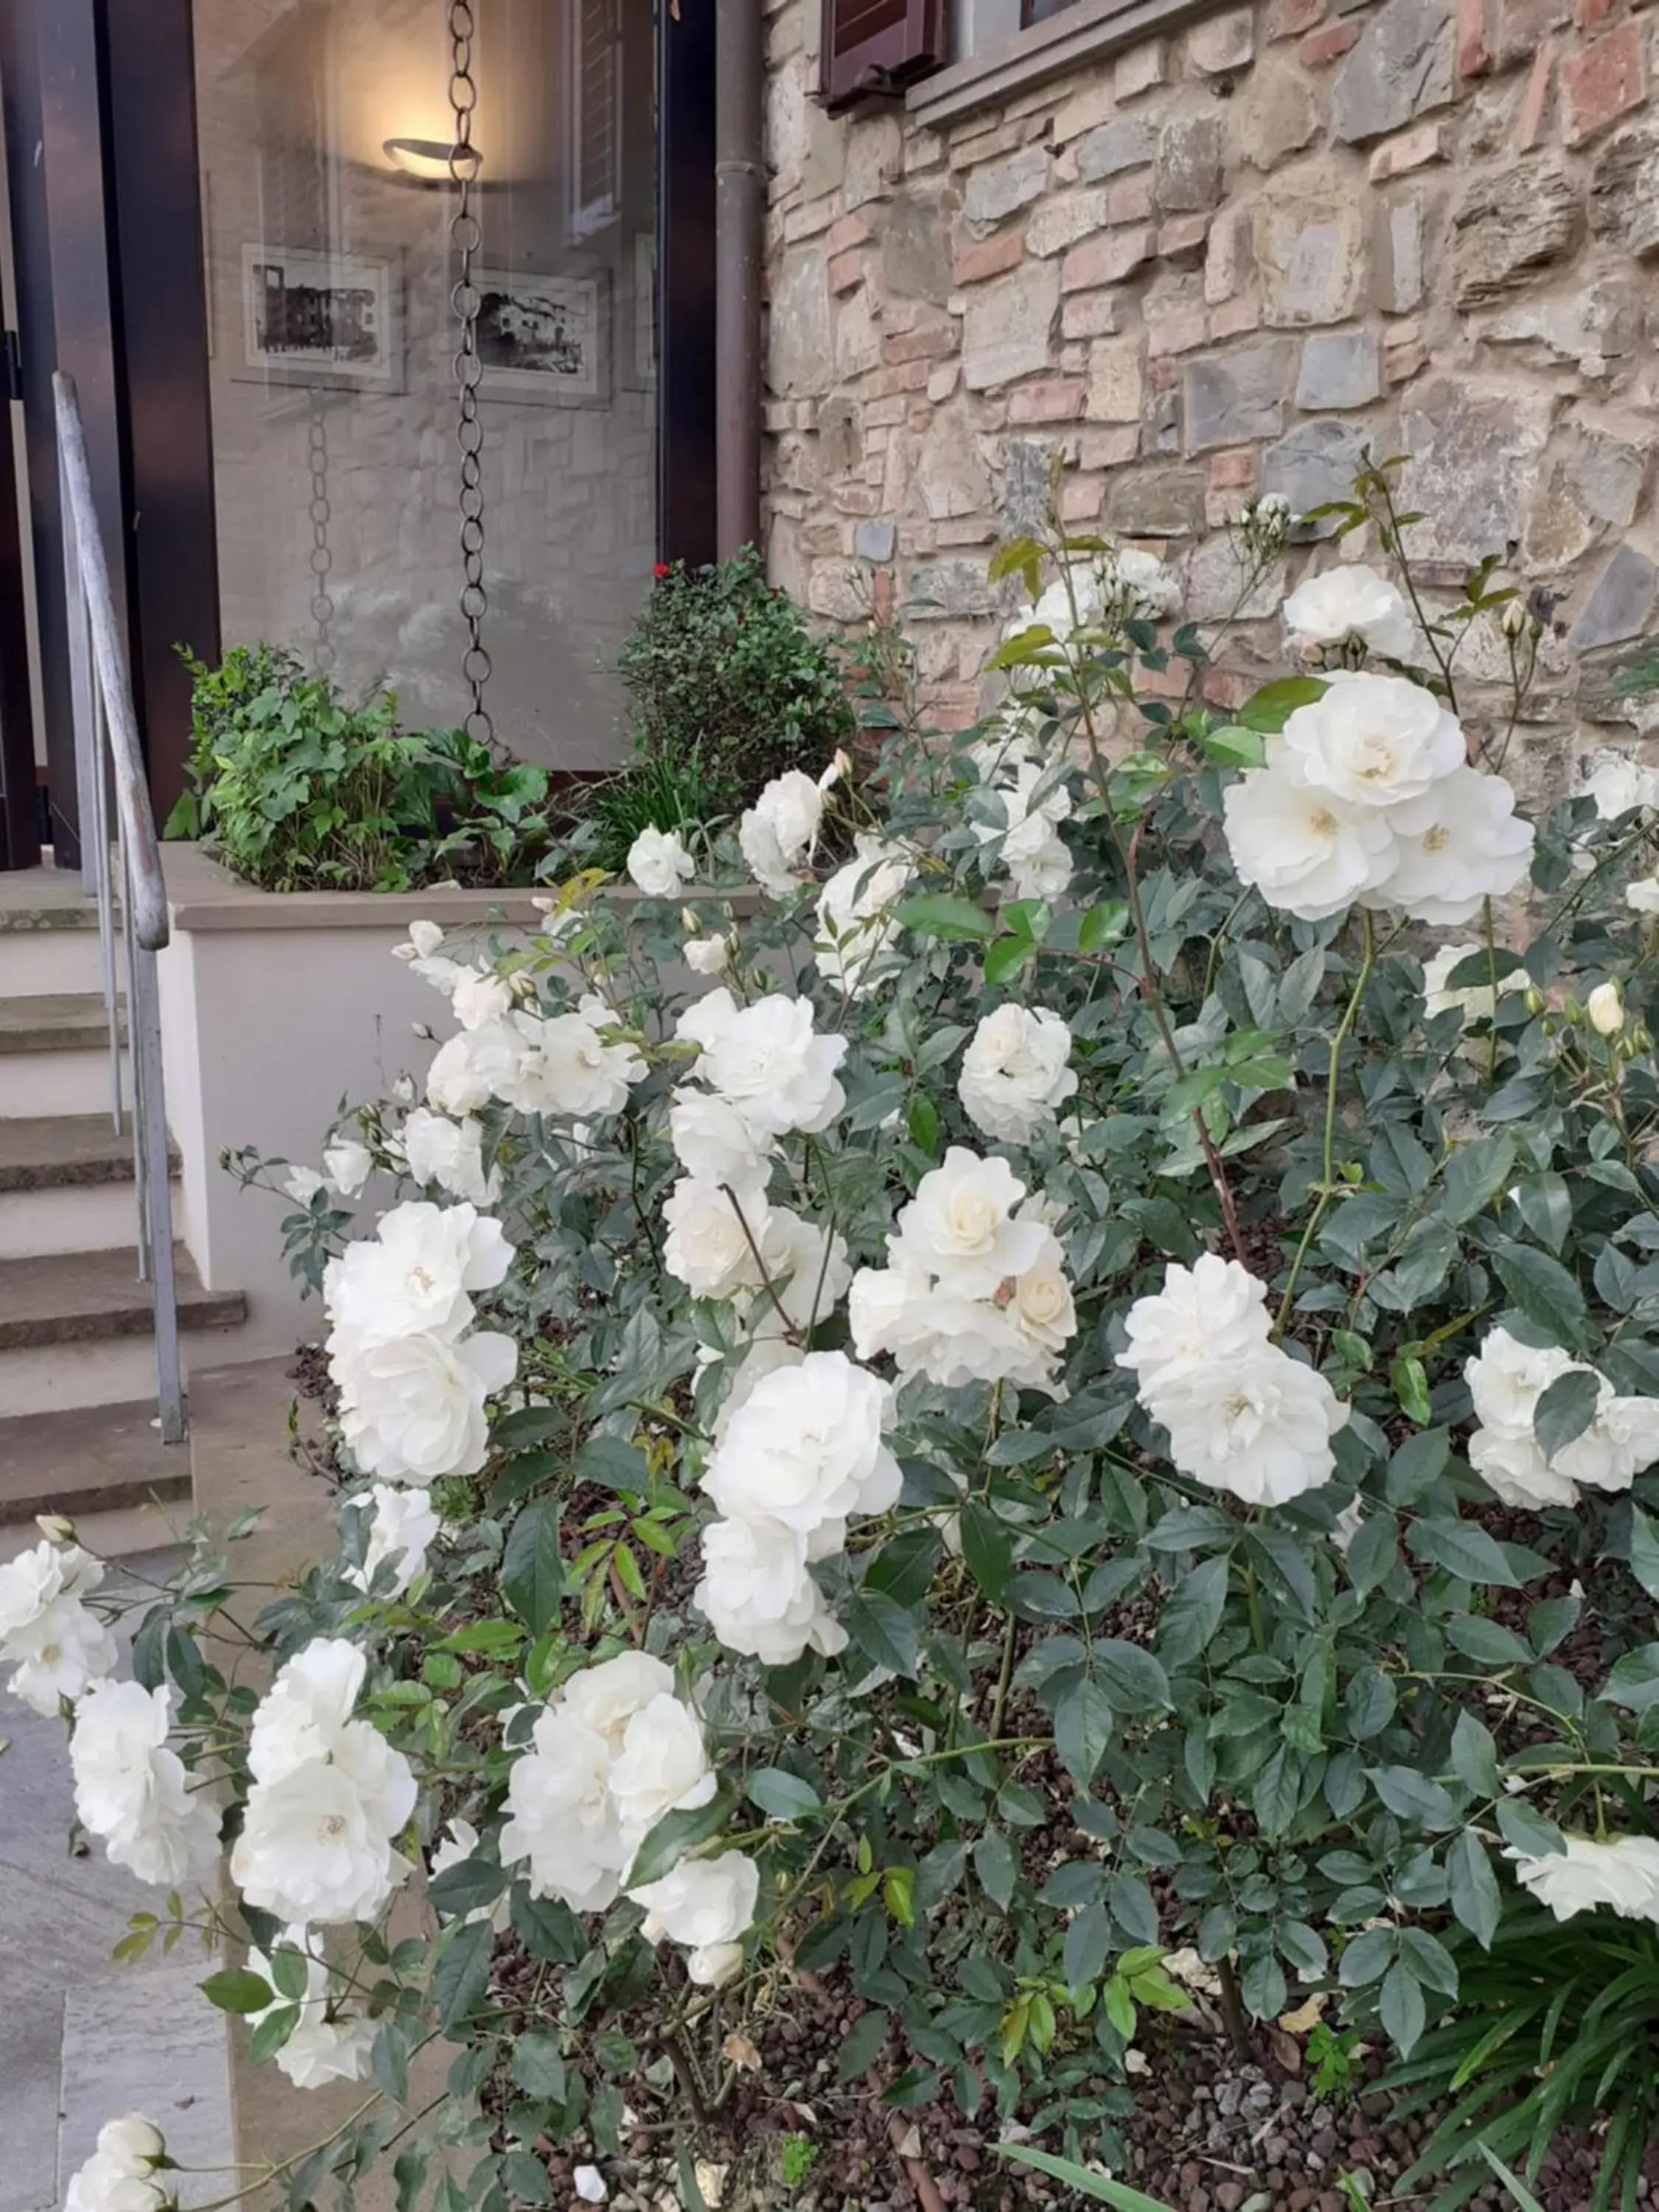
(1232, 2009)
(767, 1283)
(1396, 546)
(998, 1702)
(1333, 1093)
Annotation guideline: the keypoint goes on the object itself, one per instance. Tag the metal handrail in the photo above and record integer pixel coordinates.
(107, 752)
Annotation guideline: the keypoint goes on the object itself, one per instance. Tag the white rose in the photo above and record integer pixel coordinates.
(768, 1059)
(415, 1274)
(133, 2142)
(567, 1067)
(1642, 896)
(1351, 601)
(1514, 1469)
(306, 1712)
(1476, 1002)
(474, 1067)
(103, 2185)
(714, 1142)
(1214, 1310)
(605, 1699)
(60, 1654)
(348, 1164)
(480, 998)
(778, 832)
(765, 1355)
(413, 1409)
(808, 1451)
(663, 1768)
(1139, 586)
(856, 932)
(1014, 1074)
(133, 1791)
(1619, 785)
(315, 1847)
(40, 1577)
(1307, 852)
(1259, 1427)
(302, 1185)
(659, 863)
(960, 1225)
(1606, 1008)
(1506, 1378)
(702, 1901)
(708, 956)
(1457, 846)
(1622, 1873)
(1041, 1307)
(808, 1268)
(1373, 740)
(712, 1966)
(562, 1817)
(953, 1340)
(402, 1525)
(758, 1596)
(1029, 841)
(715, 1237)
(436, 1149)
(330, 2041)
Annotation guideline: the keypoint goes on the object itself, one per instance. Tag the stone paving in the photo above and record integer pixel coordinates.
(83, 2038)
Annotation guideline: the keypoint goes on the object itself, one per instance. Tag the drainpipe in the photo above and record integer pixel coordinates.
(739, 221)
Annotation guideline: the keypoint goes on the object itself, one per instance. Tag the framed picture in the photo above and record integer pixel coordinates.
(640, 339)
(543, 339)
(332, 320)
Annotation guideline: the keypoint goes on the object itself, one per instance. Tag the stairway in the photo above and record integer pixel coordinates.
(77, 1356)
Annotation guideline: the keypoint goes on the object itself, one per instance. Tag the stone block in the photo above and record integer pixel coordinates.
(1182, 239)
(1473, 53)
(1601, 82)
(1316, 462)
(1129, 199)
(1106, 258)
(1002, 188)
(1399, 278)
(1128, 143)
(915, 248)
(1084, 111)
(1401, 69)
(1506, 228)
(1520, 27)
(1599, 324)
(1412, 150)
(978, 259)
(1189, 158)
(1474, 467)
(1624, 192)
(1235, 397)
(1089, 315)
(1227, 255)
(876, 542)
(1621, 602)
(1009, 325)
(1558, 530)
(1278, 114)
(1327, 44)
(938, 589)
(1221, 44)
(1141, 68)
(1049, 400)
(1109, 449)
(1027, 470)
(949, 478)
(1116, 383)
(1529, 113)
(1309, 253)
(858, 341)
(1294, 19)
(1214, 579)
(1183, 329)
(1059, 222)
(1167, 502)
(1234, 319)
(874, 158)
(1340, 369)
(801, 359)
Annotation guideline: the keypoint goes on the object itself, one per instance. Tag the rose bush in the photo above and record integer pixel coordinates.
(1040, 1403)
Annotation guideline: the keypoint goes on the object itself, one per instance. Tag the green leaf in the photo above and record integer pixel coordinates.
(237, 1990)
(532, 1571)
(1417, 1466)
(272, 2033)
(1098, 2186)
(1135, 1681)
(988, 1545)
(1132, 1908)
(1527, 1830)
(469, 1886)
(1413, 1796)
(1474, 1756)
(539, 2064)
(1235, 745)
(1005, 959)
(1192, 1615)
(1474, 1175)
(1525, 2201)
(1476, 1896)
(1275, 703)
(1374, 1552)
(1088, 1943)
(1544, 1292)
(997, 1867)
(785, 1796)
(460, 1973)
(614, 1463)
(1103, 925)
(1463, 1548)
(1275, 1790)
(937, 913)
(676, 1834)
(291, 1969)
(1634, 1681)
(1644, 1550)
(1083, 1730)
(1400, 2007)
(884, 1631)
(1565, 1410)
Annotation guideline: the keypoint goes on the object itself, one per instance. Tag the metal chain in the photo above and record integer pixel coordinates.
(465, 238)
(322, 653)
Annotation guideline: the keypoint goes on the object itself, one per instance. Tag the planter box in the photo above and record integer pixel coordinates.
(276, 1006)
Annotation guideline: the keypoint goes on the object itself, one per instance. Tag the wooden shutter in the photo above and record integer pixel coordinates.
(878, 45)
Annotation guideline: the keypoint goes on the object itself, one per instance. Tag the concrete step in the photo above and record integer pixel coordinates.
(76, 1329)
(66, 1185)
(95, 1460)
(54, 1054)
(48, 935)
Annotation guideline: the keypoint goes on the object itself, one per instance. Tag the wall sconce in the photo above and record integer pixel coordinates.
(430, 161)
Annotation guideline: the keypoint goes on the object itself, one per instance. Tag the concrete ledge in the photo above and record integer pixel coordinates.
(1084, 33)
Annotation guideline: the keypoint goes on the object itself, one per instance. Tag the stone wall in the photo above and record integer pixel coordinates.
(1225, 262)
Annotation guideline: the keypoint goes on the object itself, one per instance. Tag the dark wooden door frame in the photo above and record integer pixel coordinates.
(687, 488)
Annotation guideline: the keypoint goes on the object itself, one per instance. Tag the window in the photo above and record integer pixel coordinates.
(1038, 11)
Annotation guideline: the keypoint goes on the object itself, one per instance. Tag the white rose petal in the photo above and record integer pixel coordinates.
(348, 1164)
(1622, 1873)
(659, 863)
(1307, 852)
(1014, 1075)
(807, 1451)
(961, 1227)
(778, 832)
(134, 1793)
(402, 1524)
(1349, 602)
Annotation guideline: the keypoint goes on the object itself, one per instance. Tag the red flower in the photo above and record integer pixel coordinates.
(661, 570)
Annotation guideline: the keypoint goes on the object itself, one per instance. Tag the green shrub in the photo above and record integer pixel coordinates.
(721, 668)
(295, 788)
